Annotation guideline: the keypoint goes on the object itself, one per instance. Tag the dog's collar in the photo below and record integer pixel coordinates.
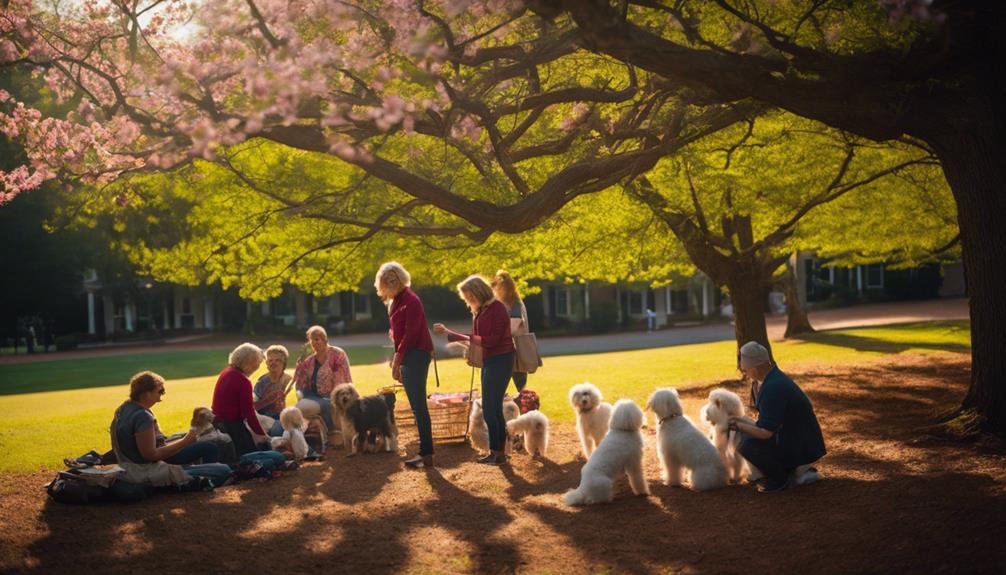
(672, 416)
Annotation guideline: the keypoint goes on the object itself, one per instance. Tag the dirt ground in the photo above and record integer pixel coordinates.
(896, 498)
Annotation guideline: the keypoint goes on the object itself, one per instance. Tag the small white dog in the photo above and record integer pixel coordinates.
(592, 415)
(715, 416)
(478, 431)
(620, 451)
(681, 446)
(534, 426)
(293, 439)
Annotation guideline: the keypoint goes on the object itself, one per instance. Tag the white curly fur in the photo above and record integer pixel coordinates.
(478, 431)
(620, 451)
(592, 415)
(294, 424)
(715, 417)
(682, 447)
(534, 426)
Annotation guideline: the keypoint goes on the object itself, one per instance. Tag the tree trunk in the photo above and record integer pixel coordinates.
(747, 298)
(973, 164)
(797, 322)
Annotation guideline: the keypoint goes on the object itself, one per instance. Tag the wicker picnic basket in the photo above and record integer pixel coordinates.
(448, 420)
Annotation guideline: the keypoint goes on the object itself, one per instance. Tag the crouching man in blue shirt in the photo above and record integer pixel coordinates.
(786, 435)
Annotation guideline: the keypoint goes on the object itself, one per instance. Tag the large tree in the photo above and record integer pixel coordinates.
(500, 88)
(883, 70)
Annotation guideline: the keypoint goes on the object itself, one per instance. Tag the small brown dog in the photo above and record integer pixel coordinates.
(202, 420)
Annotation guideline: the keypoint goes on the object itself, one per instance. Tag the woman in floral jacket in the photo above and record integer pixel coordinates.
(318, 374)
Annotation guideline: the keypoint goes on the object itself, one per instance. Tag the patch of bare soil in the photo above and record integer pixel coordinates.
(895, 498)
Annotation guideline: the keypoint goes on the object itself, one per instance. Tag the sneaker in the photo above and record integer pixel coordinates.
(811, 475)
(488, 460)
(419, 462)
(771, 486)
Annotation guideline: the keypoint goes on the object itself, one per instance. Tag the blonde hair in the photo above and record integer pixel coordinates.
(278, 350)
(391, 278)
(507, 286)
(478, 288)
(316, 329)
(242, 353)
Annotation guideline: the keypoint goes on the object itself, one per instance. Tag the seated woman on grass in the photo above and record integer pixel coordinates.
(271, 389)
(141, 449)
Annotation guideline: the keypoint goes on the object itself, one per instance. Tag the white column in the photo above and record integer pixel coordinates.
(164, 309)
(705, 297)
(208, 313)
(128, 311)
(586, 300)
(91, 328)
(859, 279)
(265, 308)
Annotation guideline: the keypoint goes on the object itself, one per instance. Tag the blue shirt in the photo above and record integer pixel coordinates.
(132, 418)
(785, 409)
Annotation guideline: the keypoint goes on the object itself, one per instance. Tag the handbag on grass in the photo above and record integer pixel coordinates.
(526, 359)
(474, 357)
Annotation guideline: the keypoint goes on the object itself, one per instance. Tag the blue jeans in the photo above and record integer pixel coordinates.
(268, 459)
(326, 408)
(519, 380)
(415, 369)
(201, 450)
(216, 472)
(496, 372)
(277, 429)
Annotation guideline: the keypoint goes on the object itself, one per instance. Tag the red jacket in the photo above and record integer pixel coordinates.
(232, 399)
(491, 329)
(408, 324)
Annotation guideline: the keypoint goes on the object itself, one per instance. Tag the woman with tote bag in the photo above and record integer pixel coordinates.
(526, 355)
(491, 348)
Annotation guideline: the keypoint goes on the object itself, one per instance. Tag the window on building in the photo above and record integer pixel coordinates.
(636, 302)
(679, 301)
(875, 275)
(562, 302)
(361, 304)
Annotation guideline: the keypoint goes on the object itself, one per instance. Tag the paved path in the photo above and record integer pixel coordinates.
(863, 315)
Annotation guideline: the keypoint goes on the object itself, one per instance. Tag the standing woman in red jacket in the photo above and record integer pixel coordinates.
(413, 350)
(491, 330)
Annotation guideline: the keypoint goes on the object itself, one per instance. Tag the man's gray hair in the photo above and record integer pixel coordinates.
(754, 354)
(242, 353)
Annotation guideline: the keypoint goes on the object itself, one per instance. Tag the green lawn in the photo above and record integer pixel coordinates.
(38, 429)
(115, 370)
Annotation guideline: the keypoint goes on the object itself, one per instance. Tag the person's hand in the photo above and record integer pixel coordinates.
(439, 328)
(396, 371)
(190, 437)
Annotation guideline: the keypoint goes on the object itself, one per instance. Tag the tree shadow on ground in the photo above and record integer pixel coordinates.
(876, 344)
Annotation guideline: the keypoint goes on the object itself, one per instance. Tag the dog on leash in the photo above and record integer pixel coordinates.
(343, 395)
(621, 451)
(533, 425)
(592, 415)
(715, 415)
(293, 440)
(478, 431)
(681, 447)
(372, 420)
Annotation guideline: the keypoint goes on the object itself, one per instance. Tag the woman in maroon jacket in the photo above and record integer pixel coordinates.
(491, 330)
(413, 350)
(233, 405)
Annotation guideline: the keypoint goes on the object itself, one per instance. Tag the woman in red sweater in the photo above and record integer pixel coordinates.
(232, 398)
(491, 330)
(413, 350)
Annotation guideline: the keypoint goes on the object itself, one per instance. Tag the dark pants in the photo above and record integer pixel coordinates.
(496, 374)
(764, 454)
(201, 450)
(519, 380)
(415, 368)
(243, 442)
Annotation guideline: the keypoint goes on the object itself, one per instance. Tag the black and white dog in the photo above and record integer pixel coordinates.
(373, 419)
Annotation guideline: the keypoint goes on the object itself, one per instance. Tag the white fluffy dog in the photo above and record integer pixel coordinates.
(293, 439)
(343, 395)
(715, 415)
(534, 426)
(478, 431)
(621, 450)
(681, 446)
(592, 415)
